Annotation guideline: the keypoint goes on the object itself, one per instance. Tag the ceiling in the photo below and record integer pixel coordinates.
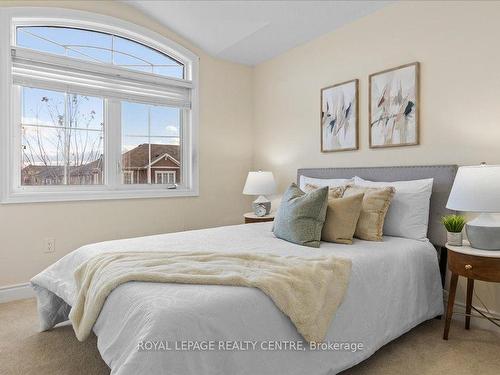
(250, 32)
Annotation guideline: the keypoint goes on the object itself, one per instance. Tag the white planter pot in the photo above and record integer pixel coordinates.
(455, 239)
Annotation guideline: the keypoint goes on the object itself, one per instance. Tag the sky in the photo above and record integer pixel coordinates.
(97, 47)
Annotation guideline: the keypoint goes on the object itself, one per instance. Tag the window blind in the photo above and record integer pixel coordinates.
(42, 70)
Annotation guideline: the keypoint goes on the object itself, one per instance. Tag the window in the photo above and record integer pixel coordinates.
(96, 110)
(62, 138)
(165, 177)
(128, 177)
(150, 139)
(98, 47)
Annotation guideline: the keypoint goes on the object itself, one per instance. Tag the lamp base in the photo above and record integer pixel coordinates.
(484, 232)
(261, 206)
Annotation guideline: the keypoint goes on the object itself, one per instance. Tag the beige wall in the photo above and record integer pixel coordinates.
(225, 158)
(456, 44)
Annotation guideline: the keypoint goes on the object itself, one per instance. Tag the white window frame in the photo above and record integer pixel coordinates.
(12, 191)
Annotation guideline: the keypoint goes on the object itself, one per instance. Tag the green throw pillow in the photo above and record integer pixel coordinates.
(300, 216)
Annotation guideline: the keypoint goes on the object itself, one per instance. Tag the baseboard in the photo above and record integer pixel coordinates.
(16, 292)
(474, 322)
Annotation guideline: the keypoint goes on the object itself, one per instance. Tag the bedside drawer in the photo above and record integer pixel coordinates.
(474, 267)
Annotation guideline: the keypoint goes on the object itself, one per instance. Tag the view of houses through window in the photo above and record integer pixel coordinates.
(63, 140)
(150, 144)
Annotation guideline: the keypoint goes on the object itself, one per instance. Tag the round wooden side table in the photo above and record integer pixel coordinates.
(474, 264)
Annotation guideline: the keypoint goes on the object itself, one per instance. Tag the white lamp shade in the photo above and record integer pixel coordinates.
(476, 189)
(259, 183)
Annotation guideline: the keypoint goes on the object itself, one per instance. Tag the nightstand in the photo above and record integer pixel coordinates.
(250, 217)
(474, 264)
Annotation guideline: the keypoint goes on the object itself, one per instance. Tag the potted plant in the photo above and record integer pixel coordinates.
(454, 225)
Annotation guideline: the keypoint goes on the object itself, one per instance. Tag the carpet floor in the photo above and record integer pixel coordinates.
(24, 351)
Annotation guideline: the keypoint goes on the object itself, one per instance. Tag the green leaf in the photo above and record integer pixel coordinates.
(453, 223)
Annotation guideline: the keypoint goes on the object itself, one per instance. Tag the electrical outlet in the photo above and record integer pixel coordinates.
(49, 245)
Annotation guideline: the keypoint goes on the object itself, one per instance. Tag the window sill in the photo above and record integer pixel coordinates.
(65, 196)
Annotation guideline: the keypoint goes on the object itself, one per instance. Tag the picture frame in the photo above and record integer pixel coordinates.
(394, 106)
(339, 117)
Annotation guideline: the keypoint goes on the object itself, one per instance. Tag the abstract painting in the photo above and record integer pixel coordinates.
(394, 107)
(339, 117)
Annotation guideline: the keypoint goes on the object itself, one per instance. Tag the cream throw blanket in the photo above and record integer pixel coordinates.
(307, 290)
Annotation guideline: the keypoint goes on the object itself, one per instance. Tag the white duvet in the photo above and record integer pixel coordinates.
(394, 285)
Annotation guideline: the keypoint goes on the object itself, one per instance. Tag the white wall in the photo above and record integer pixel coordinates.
(225, 158)
(456, 44)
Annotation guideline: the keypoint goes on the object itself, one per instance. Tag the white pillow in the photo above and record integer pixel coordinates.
(321, 182)
(408, 214)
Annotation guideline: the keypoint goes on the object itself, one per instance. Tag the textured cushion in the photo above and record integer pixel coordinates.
(321, 182)
(374, 208)
(408, 215)
(333, 191)
(300, 217)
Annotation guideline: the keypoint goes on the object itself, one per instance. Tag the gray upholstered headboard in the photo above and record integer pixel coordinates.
(443, 180)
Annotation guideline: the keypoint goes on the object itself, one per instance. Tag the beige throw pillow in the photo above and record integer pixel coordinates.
(374, 208)
(342, 214)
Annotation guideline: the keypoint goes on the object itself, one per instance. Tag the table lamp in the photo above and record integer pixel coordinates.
(260, 183)
(477, 189)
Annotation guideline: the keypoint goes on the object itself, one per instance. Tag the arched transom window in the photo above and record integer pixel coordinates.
(98, 47)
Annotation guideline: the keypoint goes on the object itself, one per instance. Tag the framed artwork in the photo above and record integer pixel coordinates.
(339, 117)
(394, 106)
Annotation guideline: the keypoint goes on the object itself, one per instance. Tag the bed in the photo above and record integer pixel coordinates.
(394, 286)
